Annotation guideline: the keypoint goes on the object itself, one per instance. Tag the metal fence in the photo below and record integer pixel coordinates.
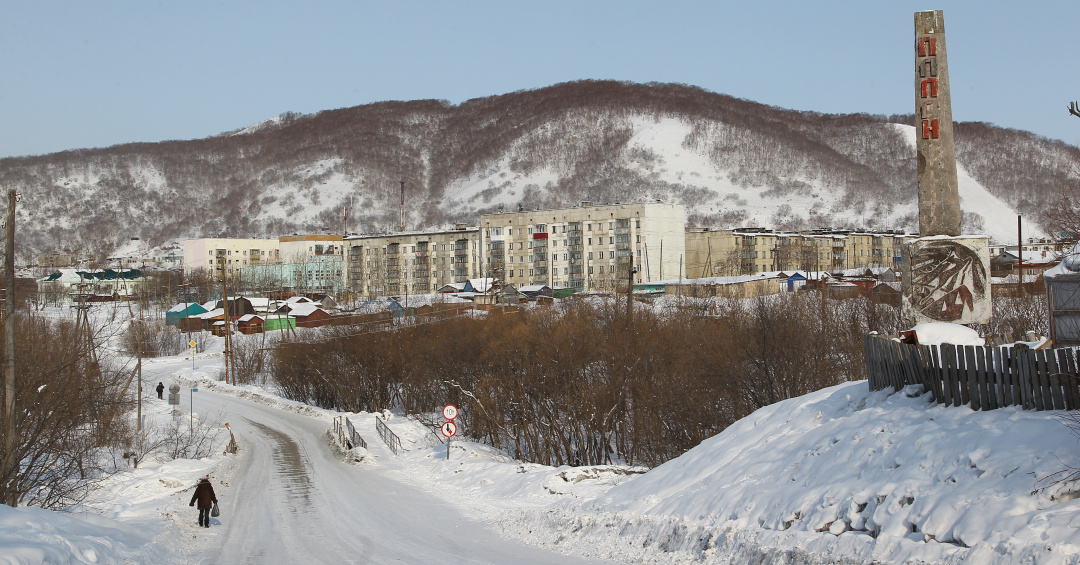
(388, 436)
(347, 435)
(983, 377)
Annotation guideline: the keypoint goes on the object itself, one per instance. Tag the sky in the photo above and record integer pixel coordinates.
(83, 74)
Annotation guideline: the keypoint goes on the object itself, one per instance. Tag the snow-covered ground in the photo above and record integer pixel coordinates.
(838, 476)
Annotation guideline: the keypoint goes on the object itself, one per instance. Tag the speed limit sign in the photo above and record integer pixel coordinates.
(449, 412)
(449, 429)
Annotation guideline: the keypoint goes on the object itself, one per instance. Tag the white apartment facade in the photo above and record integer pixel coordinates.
(418, 262)
(215, 254)
(586, 248)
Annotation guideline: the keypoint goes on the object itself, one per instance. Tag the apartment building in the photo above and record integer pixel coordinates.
(215, 254)
(586, 248)
(411, 262)
(755, 250)
(298, 248)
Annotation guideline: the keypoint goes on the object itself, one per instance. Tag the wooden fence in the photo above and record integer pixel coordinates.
(983, 377)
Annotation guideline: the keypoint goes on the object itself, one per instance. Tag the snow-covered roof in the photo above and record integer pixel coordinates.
(183, 307)
(302, 309)
(258, 302)
(738, 279)
(1070, 264)
(248, 318)
(1034, 257)
(481, 285)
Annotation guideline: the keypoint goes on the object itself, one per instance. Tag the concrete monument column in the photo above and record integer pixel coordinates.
(939, 198)
(946, 276)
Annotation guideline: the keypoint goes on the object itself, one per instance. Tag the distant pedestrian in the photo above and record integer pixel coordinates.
(204, 494)
(160, 390)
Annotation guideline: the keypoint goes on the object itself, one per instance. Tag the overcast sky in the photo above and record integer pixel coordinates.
(92, 74)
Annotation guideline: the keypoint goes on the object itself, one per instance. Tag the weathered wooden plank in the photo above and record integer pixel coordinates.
(1056, 392)
(868, 353)
(892, 366)
(948, 357)
(910, 366)
(926, 373)
(998, 400)
(1008, 368)
(1073, 386)
(1044, 379)
(986, 386)
(1023, 377)
(1034, 379)
(956, 356)
(1001, 375)
(938, 375)
(974, 396)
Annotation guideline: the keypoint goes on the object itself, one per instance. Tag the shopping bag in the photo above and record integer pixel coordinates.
(216, 511)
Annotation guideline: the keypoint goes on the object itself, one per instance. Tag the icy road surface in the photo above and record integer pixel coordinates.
(290, 499)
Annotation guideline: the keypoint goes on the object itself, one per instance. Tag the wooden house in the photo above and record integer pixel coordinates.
(251, 324)
(307, 315)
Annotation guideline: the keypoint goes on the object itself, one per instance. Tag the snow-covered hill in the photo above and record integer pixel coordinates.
(734, 163)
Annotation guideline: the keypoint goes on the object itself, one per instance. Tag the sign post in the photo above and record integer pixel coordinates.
(449, 428)
(193, 350)
(191, 402)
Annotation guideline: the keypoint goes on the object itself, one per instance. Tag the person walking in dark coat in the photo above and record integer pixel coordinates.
(204, 494)
(160, 390)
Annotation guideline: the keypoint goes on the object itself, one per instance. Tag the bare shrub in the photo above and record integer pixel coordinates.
(68, 407)
(155, 338)
(574, 384)
(248, 358)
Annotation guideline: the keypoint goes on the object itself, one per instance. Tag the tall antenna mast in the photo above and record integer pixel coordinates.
(402, 205)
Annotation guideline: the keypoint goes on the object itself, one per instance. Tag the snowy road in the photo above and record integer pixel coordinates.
(289, 499)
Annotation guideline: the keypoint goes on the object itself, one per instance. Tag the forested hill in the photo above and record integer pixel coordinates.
(733, 163)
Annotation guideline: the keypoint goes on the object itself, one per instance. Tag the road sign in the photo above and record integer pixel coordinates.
(191, 343)
(449, 429)
(449, 412)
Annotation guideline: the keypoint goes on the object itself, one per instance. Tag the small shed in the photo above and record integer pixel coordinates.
(218, 328)
(795, 282)
(276, 322)
(452, 288)
(478, 285)
(183, 310)
(532, 291)
(562, 292)
(250, 324)
(307, 315)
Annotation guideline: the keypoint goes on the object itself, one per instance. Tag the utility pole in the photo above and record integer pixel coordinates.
(228, 340)
(1019, 258)
(402, 211)
(10, 469)
(630, 292)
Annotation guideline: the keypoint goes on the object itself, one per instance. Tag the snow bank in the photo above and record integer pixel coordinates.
(848, 474)
(937, 333)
